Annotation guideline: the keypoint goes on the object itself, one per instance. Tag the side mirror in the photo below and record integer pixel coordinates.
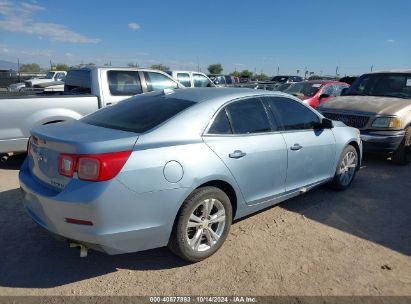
(327, 123)
(343, 91)
(324, 96)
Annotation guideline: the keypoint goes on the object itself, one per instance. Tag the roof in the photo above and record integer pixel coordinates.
(401, 71)
(207, 94)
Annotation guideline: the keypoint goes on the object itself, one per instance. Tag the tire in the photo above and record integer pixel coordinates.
(402, 155)
(346, 169)
(194, 213)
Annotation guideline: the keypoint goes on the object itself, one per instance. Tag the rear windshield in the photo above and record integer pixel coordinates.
(78, 81)
(138, 114)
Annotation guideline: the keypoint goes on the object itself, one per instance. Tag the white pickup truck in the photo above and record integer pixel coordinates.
(85, 91)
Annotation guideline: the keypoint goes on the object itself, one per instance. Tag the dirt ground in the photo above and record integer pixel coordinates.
(356, 242)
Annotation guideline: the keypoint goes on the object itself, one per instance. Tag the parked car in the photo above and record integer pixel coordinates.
(176, 167)
(348, 79)
(286, 79)
(85, 91)
(191, 79)
(379, 104)
(51, 76)
(315, 92)
(222, 80)
(283, 87)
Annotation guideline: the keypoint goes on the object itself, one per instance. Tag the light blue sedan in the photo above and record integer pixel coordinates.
(176, 167)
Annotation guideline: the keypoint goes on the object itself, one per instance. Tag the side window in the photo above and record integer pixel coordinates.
(200, 81)
(220, 125)
(329, 89)
(124, 83)
(292, 114)
(248, 116)
(184, 79)
(156, 81)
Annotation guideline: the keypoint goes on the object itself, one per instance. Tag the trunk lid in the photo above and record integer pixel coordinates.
(72, 137)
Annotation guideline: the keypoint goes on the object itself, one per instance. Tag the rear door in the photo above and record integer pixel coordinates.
(251, 147)
(311, 152)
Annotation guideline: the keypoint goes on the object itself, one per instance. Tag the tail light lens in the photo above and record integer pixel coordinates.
(93, 167)
(67, 164)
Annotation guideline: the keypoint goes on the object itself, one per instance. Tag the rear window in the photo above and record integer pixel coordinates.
(78, 81)
(138, 114)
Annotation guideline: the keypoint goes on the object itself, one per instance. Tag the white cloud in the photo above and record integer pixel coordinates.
(133, 26)
(391, 40)
(17, 19)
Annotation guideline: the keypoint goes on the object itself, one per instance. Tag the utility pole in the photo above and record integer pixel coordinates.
(278, 70)
(18, 68)
(372, 67)
(336, 71)
(198, 65)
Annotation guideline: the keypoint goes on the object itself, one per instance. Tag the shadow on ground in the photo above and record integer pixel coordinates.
(377, 208)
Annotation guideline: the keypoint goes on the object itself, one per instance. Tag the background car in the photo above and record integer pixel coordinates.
(315, 92)
(286, 79)
(191, 79)
(222, 80)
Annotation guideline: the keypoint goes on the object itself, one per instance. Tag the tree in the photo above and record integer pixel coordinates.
(246, 74)
(160, 67)
(133, 65)
(60, 67)
(236, 74)
(30, 68)
(216, 68)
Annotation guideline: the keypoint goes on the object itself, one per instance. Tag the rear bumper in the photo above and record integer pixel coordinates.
(123, 221)
(381, 141)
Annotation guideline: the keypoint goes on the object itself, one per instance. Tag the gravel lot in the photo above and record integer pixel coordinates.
(356, 242)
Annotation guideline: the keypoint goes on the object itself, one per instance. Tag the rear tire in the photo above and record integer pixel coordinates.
(346, 169)
(402, 156)
(202, 224)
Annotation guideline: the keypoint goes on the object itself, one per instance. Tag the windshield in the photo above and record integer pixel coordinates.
(383, 84)
(307, 89)
(49, 75)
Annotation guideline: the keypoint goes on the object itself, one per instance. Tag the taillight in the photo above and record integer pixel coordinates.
(93, 167)
(67, 164)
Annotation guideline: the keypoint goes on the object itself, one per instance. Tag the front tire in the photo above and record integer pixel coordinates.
(402, 155)
(202, 225)
(346, 169)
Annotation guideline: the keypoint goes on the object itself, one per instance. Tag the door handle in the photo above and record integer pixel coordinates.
(296, 147)
(237, 154)
(109, 103)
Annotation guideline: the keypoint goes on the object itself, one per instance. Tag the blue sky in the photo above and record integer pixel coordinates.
(259, 36)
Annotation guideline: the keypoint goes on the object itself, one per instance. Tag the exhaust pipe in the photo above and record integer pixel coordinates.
(83, 249)
(4, 158)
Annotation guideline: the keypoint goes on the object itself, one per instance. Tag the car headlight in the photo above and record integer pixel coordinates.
(387, 122)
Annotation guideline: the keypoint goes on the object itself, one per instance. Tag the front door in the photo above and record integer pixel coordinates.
(310, 150)
(251, 147)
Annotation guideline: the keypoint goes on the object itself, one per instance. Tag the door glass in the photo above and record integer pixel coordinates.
(156, 81)
(184, 79)
(248, 116)
(220, 125)
(329, 90)
(292, 114)
(200, 81)
(124, 83)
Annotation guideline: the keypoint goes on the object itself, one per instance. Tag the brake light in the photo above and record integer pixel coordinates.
(93, 167)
